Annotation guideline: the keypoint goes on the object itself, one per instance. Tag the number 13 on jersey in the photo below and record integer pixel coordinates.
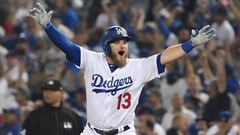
(124, 101)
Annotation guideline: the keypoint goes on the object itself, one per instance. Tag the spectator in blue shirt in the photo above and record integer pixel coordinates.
(68, 14)
(10, 124)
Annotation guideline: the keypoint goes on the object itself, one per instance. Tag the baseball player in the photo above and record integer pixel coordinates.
(113, 81)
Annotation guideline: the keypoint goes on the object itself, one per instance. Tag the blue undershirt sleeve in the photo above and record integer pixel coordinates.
(160, 67)
(71, 50)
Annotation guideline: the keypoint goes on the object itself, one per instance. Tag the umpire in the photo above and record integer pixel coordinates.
(52, 118)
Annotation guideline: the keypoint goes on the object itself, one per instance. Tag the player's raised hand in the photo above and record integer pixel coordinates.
(41, 15)
(205, 34)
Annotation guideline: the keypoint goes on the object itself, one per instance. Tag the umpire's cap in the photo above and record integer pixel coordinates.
(112, 34)
(53, 85)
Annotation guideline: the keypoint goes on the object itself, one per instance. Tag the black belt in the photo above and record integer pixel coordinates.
(109, 132)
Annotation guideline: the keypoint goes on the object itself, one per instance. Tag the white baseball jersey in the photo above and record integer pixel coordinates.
(113, 96)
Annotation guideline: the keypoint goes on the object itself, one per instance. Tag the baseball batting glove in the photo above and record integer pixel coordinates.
(41, 15)
(205, 34)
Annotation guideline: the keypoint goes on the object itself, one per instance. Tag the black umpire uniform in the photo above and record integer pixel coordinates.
(49, 120)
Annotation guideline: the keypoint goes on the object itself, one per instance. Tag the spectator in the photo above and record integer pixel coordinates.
(226, 124)
(171, 84)
(22, 97)
(3, 86)
(70, 77)
(148, 128)
(52, 59)
(52, 118)
(203, 15)
(17, 75)
(67, 31)
(234, 7)
(195, 99)
(109, 16)
(225, 32)
(177, 107)
(180, 125)
(147, 123)
(219, 99)
(199, 126)
(7, 100)
(22, 11)
(3, 53)
(25, 54)
(68, 14)
(11, 125)
(154, 100)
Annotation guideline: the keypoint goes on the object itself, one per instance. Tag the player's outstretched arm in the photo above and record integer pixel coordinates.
(177, 51)
(44, 19)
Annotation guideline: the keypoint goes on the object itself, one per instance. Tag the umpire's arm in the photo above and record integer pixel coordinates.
(177, 51)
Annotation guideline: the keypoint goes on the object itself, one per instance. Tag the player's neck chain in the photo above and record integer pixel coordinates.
(100, 85)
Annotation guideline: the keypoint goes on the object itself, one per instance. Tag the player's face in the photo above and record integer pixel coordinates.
(53, 98)
(119, 52)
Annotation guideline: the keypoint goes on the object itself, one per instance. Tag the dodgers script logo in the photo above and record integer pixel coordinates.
(113, 85)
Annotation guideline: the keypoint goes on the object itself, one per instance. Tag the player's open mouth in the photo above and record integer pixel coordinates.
(121, 53)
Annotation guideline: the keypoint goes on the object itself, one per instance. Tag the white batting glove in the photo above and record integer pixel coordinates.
(41, 15)
(205, 34)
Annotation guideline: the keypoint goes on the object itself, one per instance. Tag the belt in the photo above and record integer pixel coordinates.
(109, 132)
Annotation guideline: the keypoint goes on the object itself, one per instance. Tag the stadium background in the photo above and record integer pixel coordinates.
(27, 57)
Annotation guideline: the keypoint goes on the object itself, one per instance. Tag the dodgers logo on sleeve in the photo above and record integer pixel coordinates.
(100, 85)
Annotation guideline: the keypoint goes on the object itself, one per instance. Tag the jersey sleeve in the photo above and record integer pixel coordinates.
(150, 68)
(86, 57)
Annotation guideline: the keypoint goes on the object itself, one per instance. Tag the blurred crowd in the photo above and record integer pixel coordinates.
(199, 94)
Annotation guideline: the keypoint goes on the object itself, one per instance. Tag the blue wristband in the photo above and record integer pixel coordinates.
(187, 46)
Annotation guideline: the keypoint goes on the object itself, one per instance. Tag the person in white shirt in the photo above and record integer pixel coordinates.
(17, 75)
(180, 125)
(224, 30)
(146, 121)
(177, 107)
(226, 125)
(194, 98)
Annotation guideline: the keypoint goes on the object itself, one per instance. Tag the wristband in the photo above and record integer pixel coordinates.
(187, 46)
(47, 25)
